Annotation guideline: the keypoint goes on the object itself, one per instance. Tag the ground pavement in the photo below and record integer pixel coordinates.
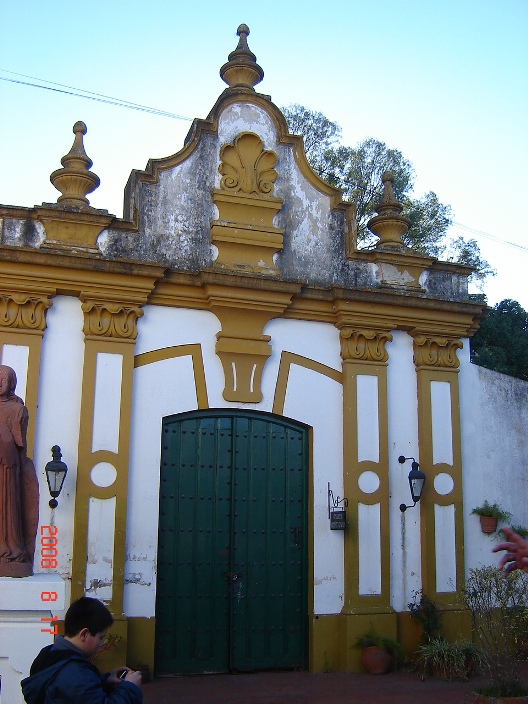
(311, 688)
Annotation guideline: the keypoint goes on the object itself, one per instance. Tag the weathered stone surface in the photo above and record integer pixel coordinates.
(21, 233)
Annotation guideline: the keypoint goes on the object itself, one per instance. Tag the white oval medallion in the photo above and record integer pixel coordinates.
(368, 482)
(443, 483)
(103, 474)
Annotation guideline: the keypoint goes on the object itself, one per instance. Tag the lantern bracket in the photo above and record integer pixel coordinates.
(416, 482)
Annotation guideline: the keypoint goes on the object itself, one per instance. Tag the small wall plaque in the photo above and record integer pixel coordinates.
(337, 520)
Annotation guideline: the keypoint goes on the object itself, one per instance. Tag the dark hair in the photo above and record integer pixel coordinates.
(87, 613)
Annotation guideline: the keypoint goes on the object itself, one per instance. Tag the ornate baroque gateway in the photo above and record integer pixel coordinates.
(216, 364)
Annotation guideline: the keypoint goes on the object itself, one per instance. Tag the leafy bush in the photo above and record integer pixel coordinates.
(426, 612)
(449, 661)
(499, 614)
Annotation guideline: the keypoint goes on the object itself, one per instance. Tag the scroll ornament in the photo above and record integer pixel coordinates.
(364, 345)
(436, 352)
(22, 311)
(111, 320)
(247, 167)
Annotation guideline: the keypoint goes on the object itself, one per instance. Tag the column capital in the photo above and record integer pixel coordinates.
(364, 345)
(23, 311)
(110, 319)
(435, 351)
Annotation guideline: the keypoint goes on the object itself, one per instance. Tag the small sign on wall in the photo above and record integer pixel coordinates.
(337, 520)
(336, 514)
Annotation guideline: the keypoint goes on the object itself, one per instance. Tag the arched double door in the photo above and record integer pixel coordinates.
(232, 548)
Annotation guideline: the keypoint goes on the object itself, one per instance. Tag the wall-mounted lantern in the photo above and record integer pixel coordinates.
(416, 481)
(336, 514)
(56, 471)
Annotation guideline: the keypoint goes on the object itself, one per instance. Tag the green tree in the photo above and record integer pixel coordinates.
(501, 342)
(357, 172)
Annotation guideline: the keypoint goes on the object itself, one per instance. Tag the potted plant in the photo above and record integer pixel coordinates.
(490, 515)
(449, 661)
(378, 653)
(499, 613)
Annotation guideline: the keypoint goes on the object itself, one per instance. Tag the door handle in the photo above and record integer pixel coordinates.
(297, 531)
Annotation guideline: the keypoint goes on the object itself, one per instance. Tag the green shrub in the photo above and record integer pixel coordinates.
(450, 661)
(426, 612)
(499, 614)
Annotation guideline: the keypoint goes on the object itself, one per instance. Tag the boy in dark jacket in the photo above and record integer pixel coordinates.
(62, 673)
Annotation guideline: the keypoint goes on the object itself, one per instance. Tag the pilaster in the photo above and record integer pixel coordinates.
(366, 480)
(110, 330)
(439, 437)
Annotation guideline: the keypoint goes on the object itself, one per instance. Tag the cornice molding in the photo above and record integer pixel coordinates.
(32, 271)
(28, 270)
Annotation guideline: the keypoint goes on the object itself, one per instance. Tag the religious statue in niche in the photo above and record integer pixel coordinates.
(19, 495)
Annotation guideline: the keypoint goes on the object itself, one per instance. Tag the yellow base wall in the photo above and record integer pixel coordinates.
(332, 639)
(455, 625)
(117, 656)
(140, 646)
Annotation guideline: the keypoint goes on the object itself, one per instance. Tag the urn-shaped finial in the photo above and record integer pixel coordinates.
(75, 180)
(389, 224)
(242, 70)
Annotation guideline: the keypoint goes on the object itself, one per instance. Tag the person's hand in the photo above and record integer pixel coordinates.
(115, 677)
(516, 555)
(134, 677)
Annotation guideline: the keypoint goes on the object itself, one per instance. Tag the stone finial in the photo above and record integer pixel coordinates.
(75, 180)
(389, 225)
(242, 70)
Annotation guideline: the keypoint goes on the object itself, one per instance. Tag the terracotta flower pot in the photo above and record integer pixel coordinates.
(376, 660)
(488, 524)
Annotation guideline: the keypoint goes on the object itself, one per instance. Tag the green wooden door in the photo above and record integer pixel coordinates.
(232, 565)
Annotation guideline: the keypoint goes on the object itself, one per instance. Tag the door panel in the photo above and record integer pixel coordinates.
(232, 568)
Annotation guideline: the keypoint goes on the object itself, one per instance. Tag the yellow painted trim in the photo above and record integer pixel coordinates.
(425, 375)
(192, 350)
(364, 353)
(355, 603)
(87, 459)
(242, 347)
(75, 231)
(135, 283)
(286, 361)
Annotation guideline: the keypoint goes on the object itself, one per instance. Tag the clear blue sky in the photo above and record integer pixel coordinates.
(443, 81)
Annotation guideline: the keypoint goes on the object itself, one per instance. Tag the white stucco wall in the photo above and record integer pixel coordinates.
(494, 419)
(167, 387)
(403, 440)
(59, 403)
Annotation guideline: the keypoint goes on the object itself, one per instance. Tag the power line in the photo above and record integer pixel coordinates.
(489, 236)
(89, 95)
